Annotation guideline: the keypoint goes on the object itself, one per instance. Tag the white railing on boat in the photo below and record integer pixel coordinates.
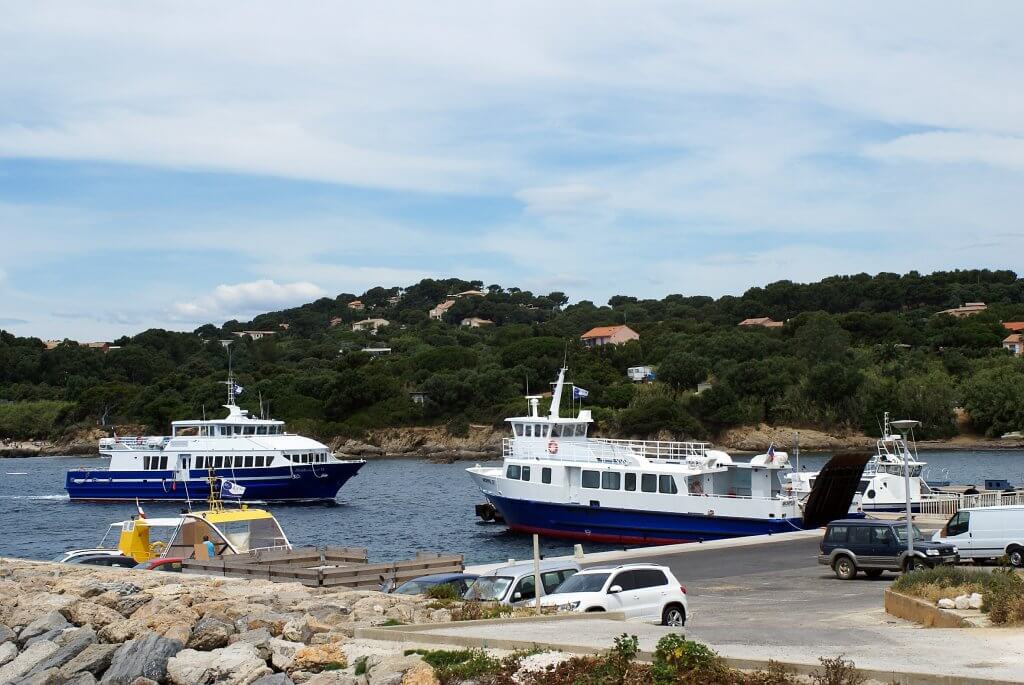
(603, 450)
(135, 442)
(947, 505)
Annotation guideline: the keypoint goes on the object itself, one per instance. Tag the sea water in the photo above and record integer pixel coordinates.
(393, 507)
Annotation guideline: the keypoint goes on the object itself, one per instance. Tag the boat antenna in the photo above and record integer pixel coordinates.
(204, 411)
(226, 344)
(262, 414)
(796, 449)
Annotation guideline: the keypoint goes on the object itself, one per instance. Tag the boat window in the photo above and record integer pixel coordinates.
(591, 479)
(649, 482)
(218, 462)
(526, 473)
(529, 430)
(248, 460)
(145, 463)
(261, 430)
(514, 472)
(667, 485)
(518, 429)
(631, 482)
(539, 431)
(610, 480)
(545, 475)
(250, 430)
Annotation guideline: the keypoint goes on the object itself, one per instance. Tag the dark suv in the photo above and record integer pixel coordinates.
(852, 545)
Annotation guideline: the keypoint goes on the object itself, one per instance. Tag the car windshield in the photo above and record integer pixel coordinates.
(583, 582)
(489, 588)
(901, 533)
(413, 587)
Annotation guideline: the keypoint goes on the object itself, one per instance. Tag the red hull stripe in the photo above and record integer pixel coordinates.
(596, 537)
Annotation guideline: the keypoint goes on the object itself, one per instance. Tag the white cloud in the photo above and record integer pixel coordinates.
(241, 299)
(567, 197)
(954, 147)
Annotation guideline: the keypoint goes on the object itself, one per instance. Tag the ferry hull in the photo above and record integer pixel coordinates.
(280, 484)
(600, 524)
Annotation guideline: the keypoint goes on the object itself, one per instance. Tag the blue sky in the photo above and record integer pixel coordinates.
(170, 164)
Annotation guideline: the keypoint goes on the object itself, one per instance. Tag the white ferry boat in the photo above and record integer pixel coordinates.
(259, 459)
(882, 486)
(557, 481)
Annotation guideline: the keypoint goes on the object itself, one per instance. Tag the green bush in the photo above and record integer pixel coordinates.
(675, 657)
(1002, 591)
(36, 420)
(444, 591)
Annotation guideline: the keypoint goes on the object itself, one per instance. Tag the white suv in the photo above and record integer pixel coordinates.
(643, 592)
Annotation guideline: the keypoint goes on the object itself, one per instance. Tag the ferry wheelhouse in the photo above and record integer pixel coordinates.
(258, 456)
(557, 481)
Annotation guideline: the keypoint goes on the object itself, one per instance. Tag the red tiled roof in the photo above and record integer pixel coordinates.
(602, 332)
(1015, 326)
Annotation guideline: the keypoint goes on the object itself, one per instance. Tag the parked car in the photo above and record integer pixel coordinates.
(514, 584)
(871, 546)
(643, 592)
(114, 560)
(69, 557)
(169, 564)
(419, 586)
(986, 533)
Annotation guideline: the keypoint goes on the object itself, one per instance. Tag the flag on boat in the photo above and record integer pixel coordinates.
(138, 506)
(579, 393)
(237, 389)
(771, 452)
(231, 489)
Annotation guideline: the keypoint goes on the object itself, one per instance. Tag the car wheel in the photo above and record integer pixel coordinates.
(1015, 556)
(673, 615)
(914, 564)
(844, 568)
(873, 573)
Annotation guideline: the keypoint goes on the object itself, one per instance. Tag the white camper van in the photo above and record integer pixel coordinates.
(987, 533)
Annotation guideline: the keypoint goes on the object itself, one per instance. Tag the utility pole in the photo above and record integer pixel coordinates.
(904, 427)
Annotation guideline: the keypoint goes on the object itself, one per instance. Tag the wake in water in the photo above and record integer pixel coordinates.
(60, 497)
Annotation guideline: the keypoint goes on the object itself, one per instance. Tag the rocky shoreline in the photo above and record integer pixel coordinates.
(82, 626)
(483, 443)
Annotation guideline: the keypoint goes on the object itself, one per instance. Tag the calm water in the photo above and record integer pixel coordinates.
(394, 508)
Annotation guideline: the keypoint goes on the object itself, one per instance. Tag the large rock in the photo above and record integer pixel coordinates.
(26, 661)
(143, 657)
(297, 630)
(48, 622)
(6, 634)
(334, 678)
(48, 677)
(390, 671)
(210, 633)
(273, 679)
(35, 605)
(94, 659)
(317, 658)
(260, 639)
(83, 678)
(92, 613)
(65, 653)
(282, 652)
(8, 651)
(126, 606)
(962, 602)
(239, 664)
(974, 600)
(946, 603)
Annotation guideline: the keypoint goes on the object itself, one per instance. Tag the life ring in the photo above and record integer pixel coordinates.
(156, 548)
(552, 447)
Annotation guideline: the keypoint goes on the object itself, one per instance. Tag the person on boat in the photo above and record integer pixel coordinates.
(211, 551)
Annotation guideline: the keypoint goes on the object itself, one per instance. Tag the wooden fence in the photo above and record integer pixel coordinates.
(323, 567)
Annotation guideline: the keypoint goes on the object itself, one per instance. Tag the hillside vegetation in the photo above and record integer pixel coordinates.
(851, 348)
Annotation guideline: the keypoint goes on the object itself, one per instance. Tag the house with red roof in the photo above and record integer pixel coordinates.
(609, 335)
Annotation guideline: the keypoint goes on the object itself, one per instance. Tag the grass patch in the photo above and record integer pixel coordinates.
(392, 622)
(360, 665)
(456, 665)
(479, 611)
(1002, 590)
(445, 591)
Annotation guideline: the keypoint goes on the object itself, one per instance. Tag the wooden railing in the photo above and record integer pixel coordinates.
(324, 567)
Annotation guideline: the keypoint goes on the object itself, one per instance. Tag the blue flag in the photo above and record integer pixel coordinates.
(579, 393)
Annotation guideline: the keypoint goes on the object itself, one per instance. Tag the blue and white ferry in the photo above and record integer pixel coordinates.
(256, 457)
(557, 481)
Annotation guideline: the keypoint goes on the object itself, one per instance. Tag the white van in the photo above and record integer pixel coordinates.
(987, 533)
(515, 584)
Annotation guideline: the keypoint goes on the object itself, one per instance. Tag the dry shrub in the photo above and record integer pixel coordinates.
(933, 592)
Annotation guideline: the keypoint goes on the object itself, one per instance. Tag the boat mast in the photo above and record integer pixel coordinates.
(556, 395)
(231, 376)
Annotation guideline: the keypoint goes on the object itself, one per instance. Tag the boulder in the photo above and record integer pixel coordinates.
(83, 678)
(33, 606)
(420, 674)
(126, 606)
(26, 661)
(962, 602)
(146, 657)
(239, 664)
(282, 652)
(47, 677)
(297, 630)
(8, 651)
(210, 633)
(974, 600)
(273, 679)
(334, 678)
(65, 653)
(391, 670)
(317, 658)
(178, 632)
(144, 681)
(92, 613)
(260, 639)
(49, 636)
(93, 659)
(6, 634)
(946, 603)
(50, 621)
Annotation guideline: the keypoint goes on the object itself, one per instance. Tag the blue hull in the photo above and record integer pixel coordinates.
(298, 483)
(599, 524)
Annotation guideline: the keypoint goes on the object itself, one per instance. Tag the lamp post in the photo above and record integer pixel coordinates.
(904, 426)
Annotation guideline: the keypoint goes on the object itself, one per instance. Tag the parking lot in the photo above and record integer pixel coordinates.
(773, 601)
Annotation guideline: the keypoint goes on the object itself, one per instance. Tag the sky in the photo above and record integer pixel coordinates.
(168, 164)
